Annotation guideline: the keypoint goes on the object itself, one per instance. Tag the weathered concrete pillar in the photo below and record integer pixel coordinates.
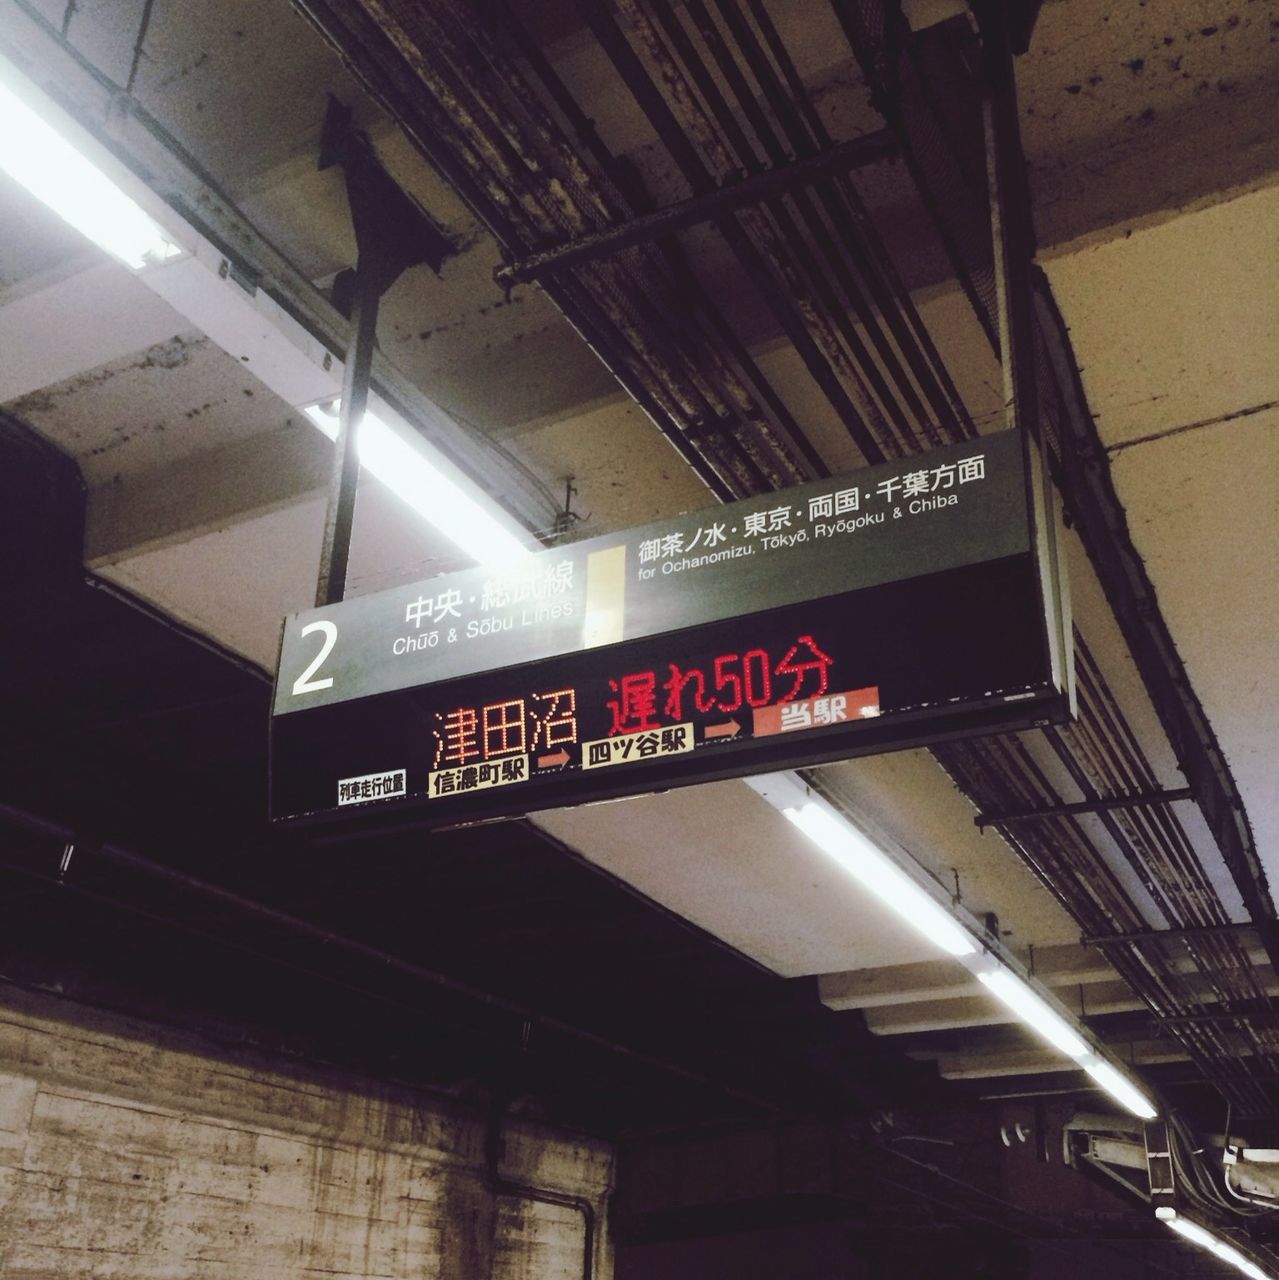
(144, 1152)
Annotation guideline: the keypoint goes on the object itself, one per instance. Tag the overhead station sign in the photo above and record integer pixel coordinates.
(893, 606)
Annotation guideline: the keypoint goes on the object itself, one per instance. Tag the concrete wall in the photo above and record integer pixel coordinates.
(127, 1151)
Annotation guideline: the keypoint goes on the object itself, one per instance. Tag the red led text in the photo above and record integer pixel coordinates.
(641, 700)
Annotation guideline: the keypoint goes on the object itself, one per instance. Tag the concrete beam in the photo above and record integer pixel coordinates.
(1036, 1061)
(203, 492)
(76, 323)
(1128, 123)
(1090, 1000)
(983, 1011)
(932, 980)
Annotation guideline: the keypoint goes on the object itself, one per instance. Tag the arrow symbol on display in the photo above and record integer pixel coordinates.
(559, 758)
(730, 729)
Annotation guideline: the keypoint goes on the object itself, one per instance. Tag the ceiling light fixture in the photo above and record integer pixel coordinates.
(401, 465)
(1034, 1012)
(1045, 1021)
(1039, 1015)
(923, 905)
(1120, 1088)
(858, 855)
(63, 176)
(65, 165)
(1215, 1245)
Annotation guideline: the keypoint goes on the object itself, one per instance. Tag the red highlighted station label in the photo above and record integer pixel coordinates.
(816, 713)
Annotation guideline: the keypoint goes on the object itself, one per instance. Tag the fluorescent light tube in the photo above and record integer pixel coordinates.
(1215, 1245)
(893, 887)
(1041, 1017)
(37, 156)
(1121, 1089)
(879, 871)
(1034, 1012)
(406, 471)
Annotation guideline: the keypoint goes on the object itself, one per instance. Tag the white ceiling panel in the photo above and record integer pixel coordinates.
(721, 857)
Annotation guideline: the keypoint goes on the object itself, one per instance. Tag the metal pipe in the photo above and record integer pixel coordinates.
(1242, 1016)
(659, 113)
(866, 249)
(670, 362)
(780, 238)
(753, 377)
(1101, 526)
(1170, 994)
(1160, 839)
(882, 54)
(1012, 235)
(694, 407)
(718, 477)
(499, 1185)
(1089, 891)
(1155, 842)
(1146, 935)
(743, 372)
(1165, 893)
(831, 316)
(1079, 878)
(1165, 828)
(838, 247)
(855, 154)
(810, 296)
(486, 178)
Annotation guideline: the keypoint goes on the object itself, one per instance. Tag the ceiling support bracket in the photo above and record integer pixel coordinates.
(391, 234)
(1172, 935)
(1100, 805)
(339, 515)
(843, 157)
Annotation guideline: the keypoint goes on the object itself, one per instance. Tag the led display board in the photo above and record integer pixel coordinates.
(894, 606)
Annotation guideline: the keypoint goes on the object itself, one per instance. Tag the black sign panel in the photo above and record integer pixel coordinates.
(641, 660)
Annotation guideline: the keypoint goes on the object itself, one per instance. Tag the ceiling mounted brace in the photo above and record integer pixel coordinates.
(1151, 935)
(842, 158)
(391, 234)
(1254, 1010)
(1100, 805)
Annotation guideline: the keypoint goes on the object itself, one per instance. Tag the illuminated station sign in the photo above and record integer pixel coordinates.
(895, 606)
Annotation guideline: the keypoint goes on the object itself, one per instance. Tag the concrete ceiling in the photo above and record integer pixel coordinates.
(1154, 174)
(1175, 324)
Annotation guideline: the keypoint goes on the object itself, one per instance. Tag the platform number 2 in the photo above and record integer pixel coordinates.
(306, 683)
